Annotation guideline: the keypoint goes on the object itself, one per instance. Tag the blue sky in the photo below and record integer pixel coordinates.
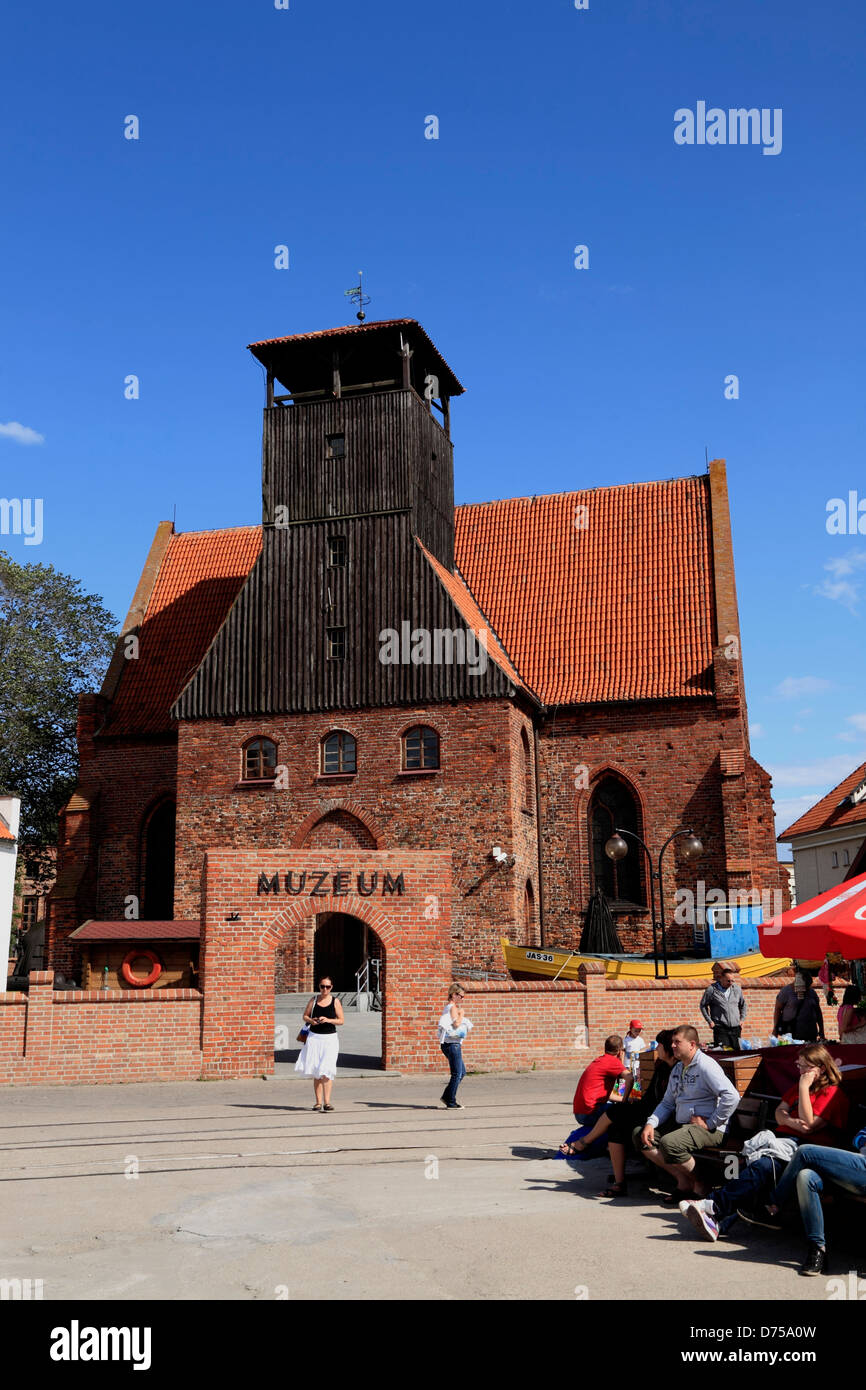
(305, 127)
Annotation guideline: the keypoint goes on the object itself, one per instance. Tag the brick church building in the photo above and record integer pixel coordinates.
(373, 668)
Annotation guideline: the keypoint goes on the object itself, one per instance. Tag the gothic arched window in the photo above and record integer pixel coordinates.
(526, 769)
(614, 806)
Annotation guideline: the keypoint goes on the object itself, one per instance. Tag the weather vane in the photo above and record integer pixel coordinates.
(358, 297)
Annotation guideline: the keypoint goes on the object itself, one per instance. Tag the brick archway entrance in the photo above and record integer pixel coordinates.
(255, 901)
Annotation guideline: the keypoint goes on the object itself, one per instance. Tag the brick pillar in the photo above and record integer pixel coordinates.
(592, 974)
(40, 1018)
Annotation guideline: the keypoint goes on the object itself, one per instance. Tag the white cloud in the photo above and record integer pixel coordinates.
(792, 687)
(859, 721)
(756, 730)
(820, 775)
(841, 588)
(22, 434)
(791, 808)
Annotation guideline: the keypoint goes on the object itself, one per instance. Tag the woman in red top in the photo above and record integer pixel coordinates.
(816, 1109)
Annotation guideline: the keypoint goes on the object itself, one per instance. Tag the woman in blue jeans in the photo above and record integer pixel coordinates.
(453, 1027)
(812, 1166)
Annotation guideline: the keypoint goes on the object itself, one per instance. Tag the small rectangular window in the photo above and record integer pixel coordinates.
(29, 912)
(336, 446)
(846, 858)
(336, 637)
(835, 860)
(336, 551)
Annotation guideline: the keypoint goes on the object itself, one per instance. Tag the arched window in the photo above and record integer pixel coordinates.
(339, 753)
(613, 806)
(420, 748)
(260, 760)
(526, 760)
(529, 911)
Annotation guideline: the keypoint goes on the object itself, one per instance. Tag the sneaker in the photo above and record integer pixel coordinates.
(815, 1262)
(458, 1105)
(760, 1216)
(703, 1202)
(700, 1219)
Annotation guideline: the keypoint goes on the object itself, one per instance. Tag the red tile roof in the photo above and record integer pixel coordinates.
(472, 615)
(5, 832)
(138, 931)
(612, 602)
(621, 609)
(333, 332)
(197, 584)
(828, 813)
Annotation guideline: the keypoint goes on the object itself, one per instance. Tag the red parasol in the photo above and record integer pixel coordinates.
(834, 921)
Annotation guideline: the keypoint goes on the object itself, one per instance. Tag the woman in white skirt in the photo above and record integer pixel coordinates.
(318, 1058)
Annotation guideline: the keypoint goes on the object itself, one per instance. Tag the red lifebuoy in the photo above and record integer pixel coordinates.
(136, 980)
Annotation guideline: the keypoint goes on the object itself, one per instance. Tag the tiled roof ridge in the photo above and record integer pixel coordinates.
(850, 782)
(582, 491)
(339, 328)
(218, 531)
(443, 574)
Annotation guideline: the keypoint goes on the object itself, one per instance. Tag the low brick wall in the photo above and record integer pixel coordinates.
(659, 1004)
(86, 1036)
(538, 1023)
(90, 1036)
(521, 1023)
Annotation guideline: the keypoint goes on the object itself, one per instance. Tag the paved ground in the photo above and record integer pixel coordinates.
(243, 1193)
(360, 1038)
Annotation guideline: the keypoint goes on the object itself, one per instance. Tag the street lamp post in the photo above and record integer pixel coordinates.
(616, 849)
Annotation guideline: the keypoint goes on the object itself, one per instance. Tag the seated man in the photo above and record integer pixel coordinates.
(596, 1081)
(812, 1166)
(702, 1100)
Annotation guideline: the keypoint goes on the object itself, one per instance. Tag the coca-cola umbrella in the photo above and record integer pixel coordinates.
(834, 921)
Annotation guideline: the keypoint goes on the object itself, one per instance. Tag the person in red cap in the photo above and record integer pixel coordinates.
(633, 1045)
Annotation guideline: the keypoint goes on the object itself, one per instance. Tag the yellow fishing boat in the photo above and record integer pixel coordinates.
(565, 965)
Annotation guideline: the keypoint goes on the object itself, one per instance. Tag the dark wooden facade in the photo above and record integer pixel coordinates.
(398, 459)
(393, 481)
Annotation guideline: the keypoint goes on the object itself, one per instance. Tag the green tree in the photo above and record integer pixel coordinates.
(55, 642)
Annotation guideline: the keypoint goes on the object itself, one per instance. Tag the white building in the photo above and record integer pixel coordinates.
(828, 841)
(10, 814)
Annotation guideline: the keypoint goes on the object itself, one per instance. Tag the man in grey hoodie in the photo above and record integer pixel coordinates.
(701, 1099)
